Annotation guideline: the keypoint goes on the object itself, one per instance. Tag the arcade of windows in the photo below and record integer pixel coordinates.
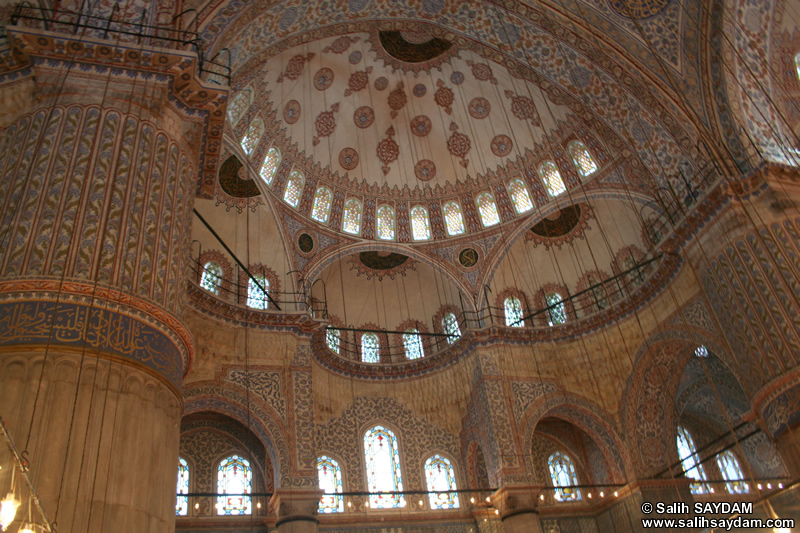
(727, 462)
(234, 483)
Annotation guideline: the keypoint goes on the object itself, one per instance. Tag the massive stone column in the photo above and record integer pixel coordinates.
(103, 147)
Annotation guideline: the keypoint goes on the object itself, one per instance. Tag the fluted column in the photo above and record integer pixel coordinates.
(99, 164)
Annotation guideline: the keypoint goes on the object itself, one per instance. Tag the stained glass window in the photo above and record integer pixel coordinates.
(370, 348)
(351, 222)
(441, 478)
(211, 278)
(322, 205)
(253, 135)
(330, 481)
(451, 328)
(551, 178)
(453, 219)
(563, 477)
(797, 64)
(294, 188)
(385, 223)
(239, 106)
(420, 225)
(487, 209)
(270, 165)
(412, 342)
(182, 507)
(701, 351)
(383, 468)
(520, 196)
(513, 312)
(557, 311)
(688, 455)
(334, 339)
(582, 158)
(234, 480)
(732, 473)
(256, 297)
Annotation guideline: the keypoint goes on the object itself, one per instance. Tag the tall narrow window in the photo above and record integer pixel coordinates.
(562, 474)
(256, 295)
(182, 507)
(234, 482)
(688, 455)
(556, 310)
(253, 135)
(385, 223)
(270, 165)
(211, 280)
(294, 188)
(520, 196)
(551, 178)
(322, 205)
(453, 219)
(582, 158)
(441, 478)
(330, 481)
(383, 469)
(239, 106)
(420, 224)
(487, 209)
(451, 328)
(797, 64)
(732, 473)
(513, 312)
(351, 222)
(334, 339)
(370, 348)
(412, 342)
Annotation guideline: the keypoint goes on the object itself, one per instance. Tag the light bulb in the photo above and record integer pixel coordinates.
(497, 511)
(590, 495)
(420, 502)
(258, 505)
(780, 485)
(616, 494)
(769, 485)
(759, 486)
(472, 500)
(488, 499)
(541, 497)
(602, 494)
(197, 506)
(29, 528)
(349, 504)
(712, 490)
(8, 510)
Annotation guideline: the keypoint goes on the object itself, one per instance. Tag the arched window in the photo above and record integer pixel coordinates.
(256, 296)
(520, 196)
(334, 340)
(182, 507)
(797, 64)
(385, 223)
(294, 188)
(551, 178)
(701, 351)
(270, 165)
(239, 106)
(370, 348)
(441, 478)
(732, 473)
(450, 327)
(322, 205)
(330, 481)
(562, 474)
(487, 209)
(453, 219)
(234, 480)
(556, 310)
(211, 278)
(253, 135)
(412, 342)
(688, 455)
(383, 468)
(420, 225)
(351, 222)
(582, 158)
(513, 312)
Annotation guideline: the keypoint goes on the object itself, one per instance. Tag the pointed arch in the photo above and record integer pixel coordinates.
(386, 223)
(253, 136)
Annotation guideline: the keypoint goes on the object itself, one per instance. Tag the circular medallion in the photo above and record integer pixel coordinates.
(421, 126)
(468, 257)
(425, 170)
(381, 83)
(479, 107)
(291, 112)
(323, 79)
(364, 116)
(348, 158)
(355, 57)
(420, 90)
(305, 242)
(501, 145)
(638, 9)
(457, 78)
